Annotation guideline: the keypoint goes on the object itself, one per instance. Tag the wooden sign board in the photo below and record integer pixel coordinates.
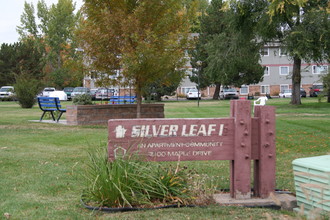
(173, 139)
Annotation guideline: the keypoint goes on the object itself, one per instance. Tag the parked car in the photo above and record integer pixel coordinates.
(302, 93)
(79, 91)
(105, 93)
(287, 93)
(229, 93)
(315, 90)
(68, 91)
(6, 91)
(193, 94)
(93, 93)
(59, 94)
(46, 91)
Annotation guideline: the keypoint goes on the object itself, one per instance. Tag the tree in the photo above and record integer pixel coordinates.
(54, 34)
(7, 64)
(326, 84)
(163, 86)
(142, 41)
(228, 46)
(21, 65)
(302, 28)
(18, 58)
(26, 89)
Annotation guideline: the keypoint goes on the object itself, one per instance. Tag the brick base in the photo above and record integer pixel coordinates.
(100, 114)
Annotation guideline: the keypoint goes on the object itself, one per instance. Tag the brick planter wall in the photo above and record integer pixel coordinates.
(100, 114)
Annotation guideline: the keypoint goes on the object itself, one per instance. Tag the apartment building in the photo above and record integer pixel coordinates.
(278, 72)
(277, 76)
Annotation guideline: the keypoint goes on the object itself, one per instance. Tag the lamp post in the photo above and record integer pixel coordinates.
(199, 64)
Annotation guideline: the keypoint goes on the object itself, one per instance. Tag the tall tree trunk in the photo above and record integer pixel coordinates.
(138, 106)
(296, 81)
(217, 91)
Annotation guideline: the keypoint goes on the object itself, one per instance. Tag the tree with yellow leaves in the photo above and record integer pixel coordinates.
(142, 40)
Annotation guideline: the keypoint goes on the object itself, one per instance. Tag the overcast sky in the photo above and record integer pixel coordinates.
(10, 15)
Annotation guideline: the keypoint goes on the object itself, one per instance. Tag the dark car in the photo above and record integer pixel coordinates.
(68, 91)
(315, 90)
(302, 93)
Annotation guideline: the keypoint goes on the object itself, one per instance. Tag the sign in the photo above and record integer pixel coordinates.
(173, 139)
(239, 139)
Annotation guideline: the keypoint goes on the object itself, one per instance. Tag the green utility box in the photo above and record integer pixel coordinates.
(312, 183)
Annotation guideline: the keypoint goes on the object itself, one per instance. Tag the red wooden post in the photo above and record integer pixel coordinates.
(264, 166)
(240, 167)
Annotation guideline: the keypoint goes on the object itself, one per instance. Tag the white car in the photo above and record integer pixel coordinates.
(193, 94)
(6, 91)
(80, 91)
(46, 91)
(228, 93)
(287, 93)
(59, 94)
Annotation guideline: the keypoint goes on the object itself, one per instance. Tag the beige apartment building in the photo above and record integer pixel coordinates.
(277, 76)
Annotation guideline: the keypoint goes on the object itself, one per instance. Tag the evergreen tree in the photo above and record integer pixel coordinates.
(7, 64)
(18, 58)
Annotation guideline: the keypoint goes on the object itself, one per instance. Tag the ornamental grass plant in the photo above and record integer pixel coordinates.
(130, 181)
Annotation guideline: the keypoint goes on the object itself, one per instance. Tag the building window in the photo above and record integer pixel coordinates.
(244, 90)
(267, 71)
(284, 70)
(264, 51)
(284, 87)
(283, 52)
(320, 69)
(265, 89)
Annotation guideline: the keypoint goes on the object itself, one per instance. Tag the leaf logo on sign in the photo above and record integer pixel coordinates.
(120, 131)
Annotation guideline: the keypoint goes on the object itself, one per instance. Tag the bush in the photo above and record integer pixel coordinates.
(26, 90)
(181, 95)
(82, 99)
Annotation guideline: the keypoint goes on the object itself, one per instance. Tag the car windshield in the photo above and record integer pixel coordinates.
(318, 87)
(193, 90)
(68, 89)
(5, 89)
(287, 91)
(229, 90)
(80, 89)
(102, 90)
(49, 89)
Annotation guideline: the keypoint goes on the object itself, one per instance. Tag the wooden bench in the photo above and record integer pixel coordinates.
(126, 99)
(50, 104)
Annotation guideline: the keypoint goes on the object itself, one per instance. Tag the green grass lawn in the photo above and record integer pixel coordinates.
(41, 165)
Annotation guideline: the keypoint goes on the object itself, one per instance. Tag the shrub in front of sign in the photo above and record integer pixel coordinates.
(132, 182)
